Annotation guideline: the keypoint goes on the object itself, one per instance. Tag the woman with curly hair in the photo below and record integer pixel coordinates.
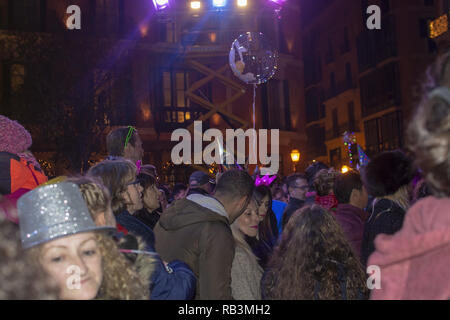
(414, 262)
(314, 260)
(174, 281)
(97, 198)
(324, 185)
(81, 258)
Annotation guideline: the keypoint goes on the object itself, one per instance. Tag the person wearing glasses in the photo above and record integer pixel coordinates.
(297, 187)
(172, 281)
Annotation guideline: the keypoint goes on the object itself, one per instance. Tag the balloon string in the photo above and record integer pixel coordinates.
(254, 119)
(254, 99)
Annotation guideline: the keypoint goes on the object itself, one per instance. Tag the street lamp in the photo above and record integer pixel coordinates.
(242, 3)
(345, 169)
(219, 3)
(295, 157)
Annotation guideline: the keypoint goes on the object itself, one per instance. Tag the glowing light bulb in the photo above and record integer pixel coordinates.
(219, 3)
(196, 5)
(242, 3)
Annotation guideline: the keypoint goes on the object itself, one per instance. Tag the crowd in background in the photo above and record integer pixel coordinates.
(117, 233)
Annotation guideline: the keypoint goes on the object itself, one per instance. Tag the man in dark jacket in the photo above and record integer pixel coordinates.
(196, 230)
(352, 198)
(200, 183)
(297, 187)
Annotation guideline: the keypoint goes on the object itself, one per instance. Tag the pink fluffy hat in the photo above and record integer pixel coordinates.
(14, 138)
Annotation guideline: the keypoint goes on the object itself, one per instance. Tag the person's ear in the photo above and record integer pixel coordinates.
(354, 196)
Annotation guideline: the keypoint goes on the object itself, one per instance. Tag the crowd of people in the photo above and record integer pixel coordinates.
(117, 233)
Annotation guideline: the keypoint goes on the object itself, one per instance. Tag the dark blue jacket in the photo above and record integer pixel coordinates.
(177, 281)
(293, 205)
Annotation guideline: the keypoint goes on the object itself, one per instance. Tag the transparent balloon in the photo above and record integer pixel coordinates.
(252, 58)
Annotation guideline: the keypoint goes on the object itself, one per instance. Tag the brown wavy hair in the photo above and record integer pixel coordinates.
(324, 181)
(120, 279)
(428, 132)
(311, 249)
(115, 175)
(20, 277)
(94, 193)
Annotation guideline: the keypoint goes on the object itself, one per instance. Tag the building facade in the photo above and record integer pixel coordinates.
(359, 80)
(177, 70)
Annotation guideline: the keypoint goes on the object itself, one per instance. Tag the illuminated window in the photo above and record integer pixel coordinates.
(242, 3)
(195, 4)
(438, 26)
(175, 85)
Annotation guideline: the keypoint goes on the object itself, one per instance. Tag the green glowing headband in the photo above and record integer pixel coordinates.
(130, 132)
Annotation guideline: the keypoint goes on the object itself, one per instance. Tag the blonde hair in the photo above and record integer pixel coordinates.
(120, 279)
(94, 194)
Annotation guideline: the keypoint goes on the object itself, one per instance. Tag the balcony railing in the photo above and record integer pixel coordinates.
(340, 88)
(171, 118)
(350, 127)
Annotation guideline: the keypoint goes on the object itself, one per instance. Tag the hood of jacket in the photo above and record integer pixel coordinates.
(186, 212)
(420, 249)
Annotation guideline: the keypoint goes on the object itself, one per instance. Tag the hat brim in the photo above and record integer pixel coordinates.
(30, 244)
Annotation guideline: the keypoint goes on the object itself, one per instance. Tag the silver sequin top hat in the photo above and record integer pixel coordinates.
(53, 211)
